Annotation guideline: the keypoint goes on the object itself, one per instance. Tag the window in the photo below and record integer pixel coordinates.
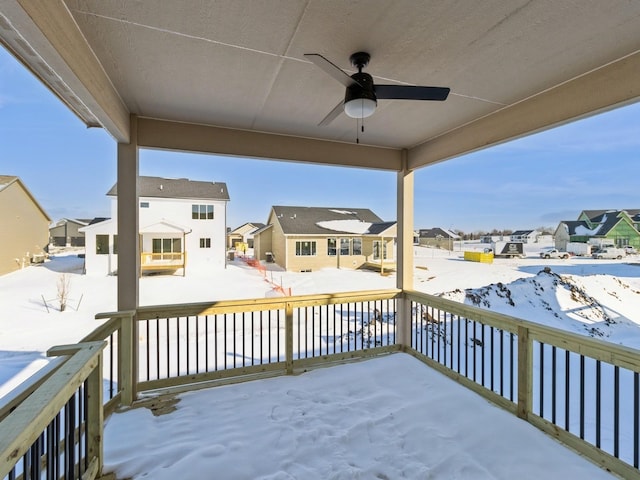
(144, 204)
(377, 247)
(344, 246)
(102, 244)
(166, 246)
(305, 249)
(202, 212)
(115, 244)
(331, 247)
(205, 243)
(356, 246)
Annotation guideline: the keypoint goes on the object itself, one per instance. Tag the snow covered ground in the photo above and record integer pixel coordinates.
(593, 297)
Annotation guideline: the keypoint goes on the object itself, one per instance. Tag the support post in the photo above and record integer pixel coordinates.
(525, 373)
(129, 250)
(404, 260)
(95, 417)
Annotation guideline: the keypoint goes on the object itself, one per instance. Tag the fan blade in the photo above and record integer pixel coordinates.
(409, 92)
(333, 70)
(332, 115)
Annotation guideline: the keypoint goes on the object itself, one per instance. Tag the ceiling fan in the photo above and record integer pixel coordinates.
(361, 96)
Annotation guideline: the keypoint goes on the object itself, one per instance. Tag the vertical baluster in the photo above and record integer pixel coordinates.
(206, 342)
(511, 368)
(475, 347)
(491, 355)
(582, 397)
(541, 393)
(168, 350)
(502, 363)
(636, 419)
(598, 402)
(567, 388)
(157, 348)
(234, 338)
(553, 384)
(253, 343)
(111, 366)
(224, 338)
(177, 346)
(269, 333)
(188, 343)
(147, 353)
(482, 358)
(197, 344)
(313, 333)
(466, 347)
(616, 411)
(261, 339)
(215, 343)
(459, 328)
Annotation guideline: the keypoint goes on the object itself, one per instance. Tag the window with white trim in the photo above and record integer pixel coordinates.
(305, 248)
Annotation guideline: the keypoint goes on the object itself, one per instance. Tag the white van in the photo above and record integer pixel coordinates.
(609, 252)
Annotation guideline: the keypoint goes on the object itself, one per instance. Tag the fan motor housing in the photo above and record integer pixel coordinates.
(362, 89)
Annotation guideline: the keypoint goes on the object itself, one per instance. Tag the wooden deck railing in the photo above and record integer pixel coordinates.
(581, 390)
(56, 430)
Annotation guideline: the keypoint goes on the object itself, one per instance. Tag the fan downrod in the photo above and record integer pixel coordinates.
(360, 60)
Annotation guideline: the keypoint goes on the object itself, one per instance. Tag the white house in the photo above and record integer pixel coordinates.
(182, 228)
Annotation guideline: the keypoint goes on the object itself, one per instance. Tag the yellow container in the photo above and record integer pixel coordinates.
(479, 257)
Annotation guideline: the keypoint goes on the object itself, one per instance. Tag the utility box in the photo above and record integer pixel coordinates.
(269, 257)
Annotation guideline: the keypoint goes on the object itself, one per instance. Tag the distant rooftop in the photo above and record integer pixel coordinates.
(178, 188)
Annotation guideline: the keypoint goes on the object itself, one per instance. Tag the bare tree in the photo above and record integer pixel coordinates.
(64, 282)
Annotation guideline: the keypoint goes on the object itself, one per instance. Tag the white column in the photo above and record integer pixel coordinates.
(128, 243)
(404, 262)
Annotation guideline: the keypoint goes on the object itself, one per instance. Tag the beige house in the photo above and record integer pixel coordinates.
(24, 235)
(243, 234)
(304, 239)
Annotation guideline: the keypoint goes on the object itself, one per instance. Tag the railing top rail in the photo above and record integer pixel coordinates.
(120, 314)
(104, 330)
(24, 425)
(612, 353)
(247, 305)
(9, 402)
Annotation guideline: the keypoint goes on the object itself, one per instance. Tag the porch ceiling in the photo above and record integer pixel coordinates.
(513, 67)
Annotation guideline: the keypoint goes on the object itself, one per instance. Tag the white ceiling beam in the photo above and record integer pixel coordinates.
(46, 39)
(612, 85)
(187, 137)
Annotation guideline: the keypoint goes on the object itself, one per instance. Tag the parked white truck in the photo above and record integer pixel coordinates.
(580, 249)
(553, 253)
(609, 252)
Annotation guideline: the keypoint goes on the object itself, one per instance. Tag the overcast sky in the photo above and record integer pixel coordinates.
(535, 181)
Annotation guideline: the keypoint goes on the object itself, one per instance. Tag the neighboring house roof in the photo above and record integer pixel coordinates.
(600, 224)
(596, 215)
(324, 221)
(379, 228)
(438, 232)
(522, 233)
(262, 229)
(255, 226)
(178, 188)
(7, 180)
(77, 221)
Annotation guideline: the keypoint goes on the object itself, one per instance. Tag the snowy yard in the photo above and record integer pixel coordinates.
(353, 421)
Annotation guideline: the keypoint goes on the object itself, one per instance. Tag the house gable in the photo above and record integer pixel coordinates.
(25, 225)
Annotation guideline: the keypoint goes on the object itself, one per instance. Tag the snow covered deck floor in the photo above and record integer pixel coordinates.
(386, 418)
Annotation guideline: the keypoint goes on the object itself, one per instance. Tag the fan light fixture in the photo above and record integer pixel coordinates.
(360, 107)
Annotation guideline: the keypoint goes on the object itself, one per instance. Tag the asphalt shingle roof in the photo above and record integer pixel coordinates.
(178, 188)
(304, 220)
